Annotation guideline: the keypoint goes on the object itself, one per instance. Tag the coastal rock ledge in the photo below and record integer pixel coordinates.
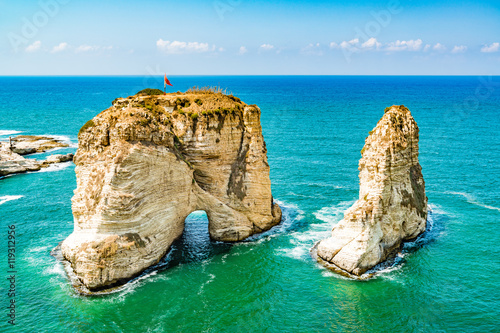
(392, 206)
(147, 162)
(12, 152)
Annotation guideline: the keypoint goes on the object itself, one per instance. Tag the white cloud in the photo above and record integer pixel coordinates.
(59, 48)
(459, 49)
(266, 47)
(403, 45)
(350, 44)
(371, 44)
(491, 48)
(86, 48)
(439, 47)
(312, 49)
(34, 47)
(354, 45)
(89, 48)
(243, 50)
(177, 47)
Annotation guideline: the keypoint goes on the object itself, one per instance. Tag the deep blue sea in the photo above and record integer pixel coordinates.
(314, 127)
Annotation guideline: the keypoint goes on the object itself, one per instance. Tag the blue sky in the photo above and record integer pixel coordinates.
(238, 37)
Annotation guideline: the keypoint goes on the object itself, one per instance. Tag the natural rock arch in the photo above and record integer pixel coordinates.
(195, 244)
(146, 163)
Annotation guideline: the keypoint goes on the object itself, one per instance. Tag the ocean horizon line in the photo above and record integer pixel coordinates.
(256, 75)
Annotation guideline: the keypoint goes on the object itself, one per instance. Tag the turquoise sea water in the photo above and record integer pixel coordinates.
(314, 127)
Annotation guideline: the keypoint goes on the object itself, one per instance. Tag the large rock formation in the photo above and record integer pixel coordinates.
(147, 162)
(392, 206)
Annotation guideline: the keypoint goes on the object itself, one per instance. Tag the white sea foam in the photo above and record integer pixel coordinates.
(289, 205)
(8, 132)
(314, 184)
(130, 287)
(56, 269)
(305, 196)
(299, 252)
(472, 200)
(434, 229)
(40, 248)
(302, 241)
(64, 139)
(291, 214)
(331, 214)
(327, 273)
(210, 280)
(56, 167)
(7, 198)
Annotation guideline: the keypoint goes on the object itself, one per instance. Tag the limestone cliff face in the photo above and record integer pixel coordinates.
(392, 206)
(147, 162)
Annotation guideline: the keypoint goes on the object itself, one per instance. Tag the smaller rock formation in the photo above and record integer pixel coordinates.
(392, 206)
(30, 144)
(12, 162)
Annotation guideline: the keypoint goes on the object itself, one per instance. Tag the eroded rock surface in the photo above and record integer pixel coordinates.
(147, 162)
(392, 206)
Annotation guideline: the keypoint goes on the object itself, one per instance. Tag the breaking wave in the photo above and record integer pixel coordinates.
(8, 132)
(56, 167)
(303, 240)
(434, 228)
(290, 215)
(472, 200)
(7, 198)
(63, 138)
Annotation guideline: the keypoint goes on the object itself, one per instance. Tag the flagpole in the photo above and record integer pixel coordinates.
(165, 83)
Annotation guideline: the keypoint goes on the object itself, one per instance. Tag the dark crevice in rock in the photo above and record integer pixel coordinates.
(238, 170)
(134, 237)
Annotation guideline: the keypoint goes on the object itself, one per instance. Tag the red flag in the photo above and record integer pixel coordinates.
(167, 82)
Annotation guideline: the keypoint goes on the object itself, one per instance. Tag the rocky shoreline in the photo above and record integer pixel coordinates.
(12, 152)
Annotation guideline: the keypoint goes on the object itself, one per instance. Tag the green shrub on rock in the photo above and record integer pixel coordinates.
(150, 92)
(87, 125)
